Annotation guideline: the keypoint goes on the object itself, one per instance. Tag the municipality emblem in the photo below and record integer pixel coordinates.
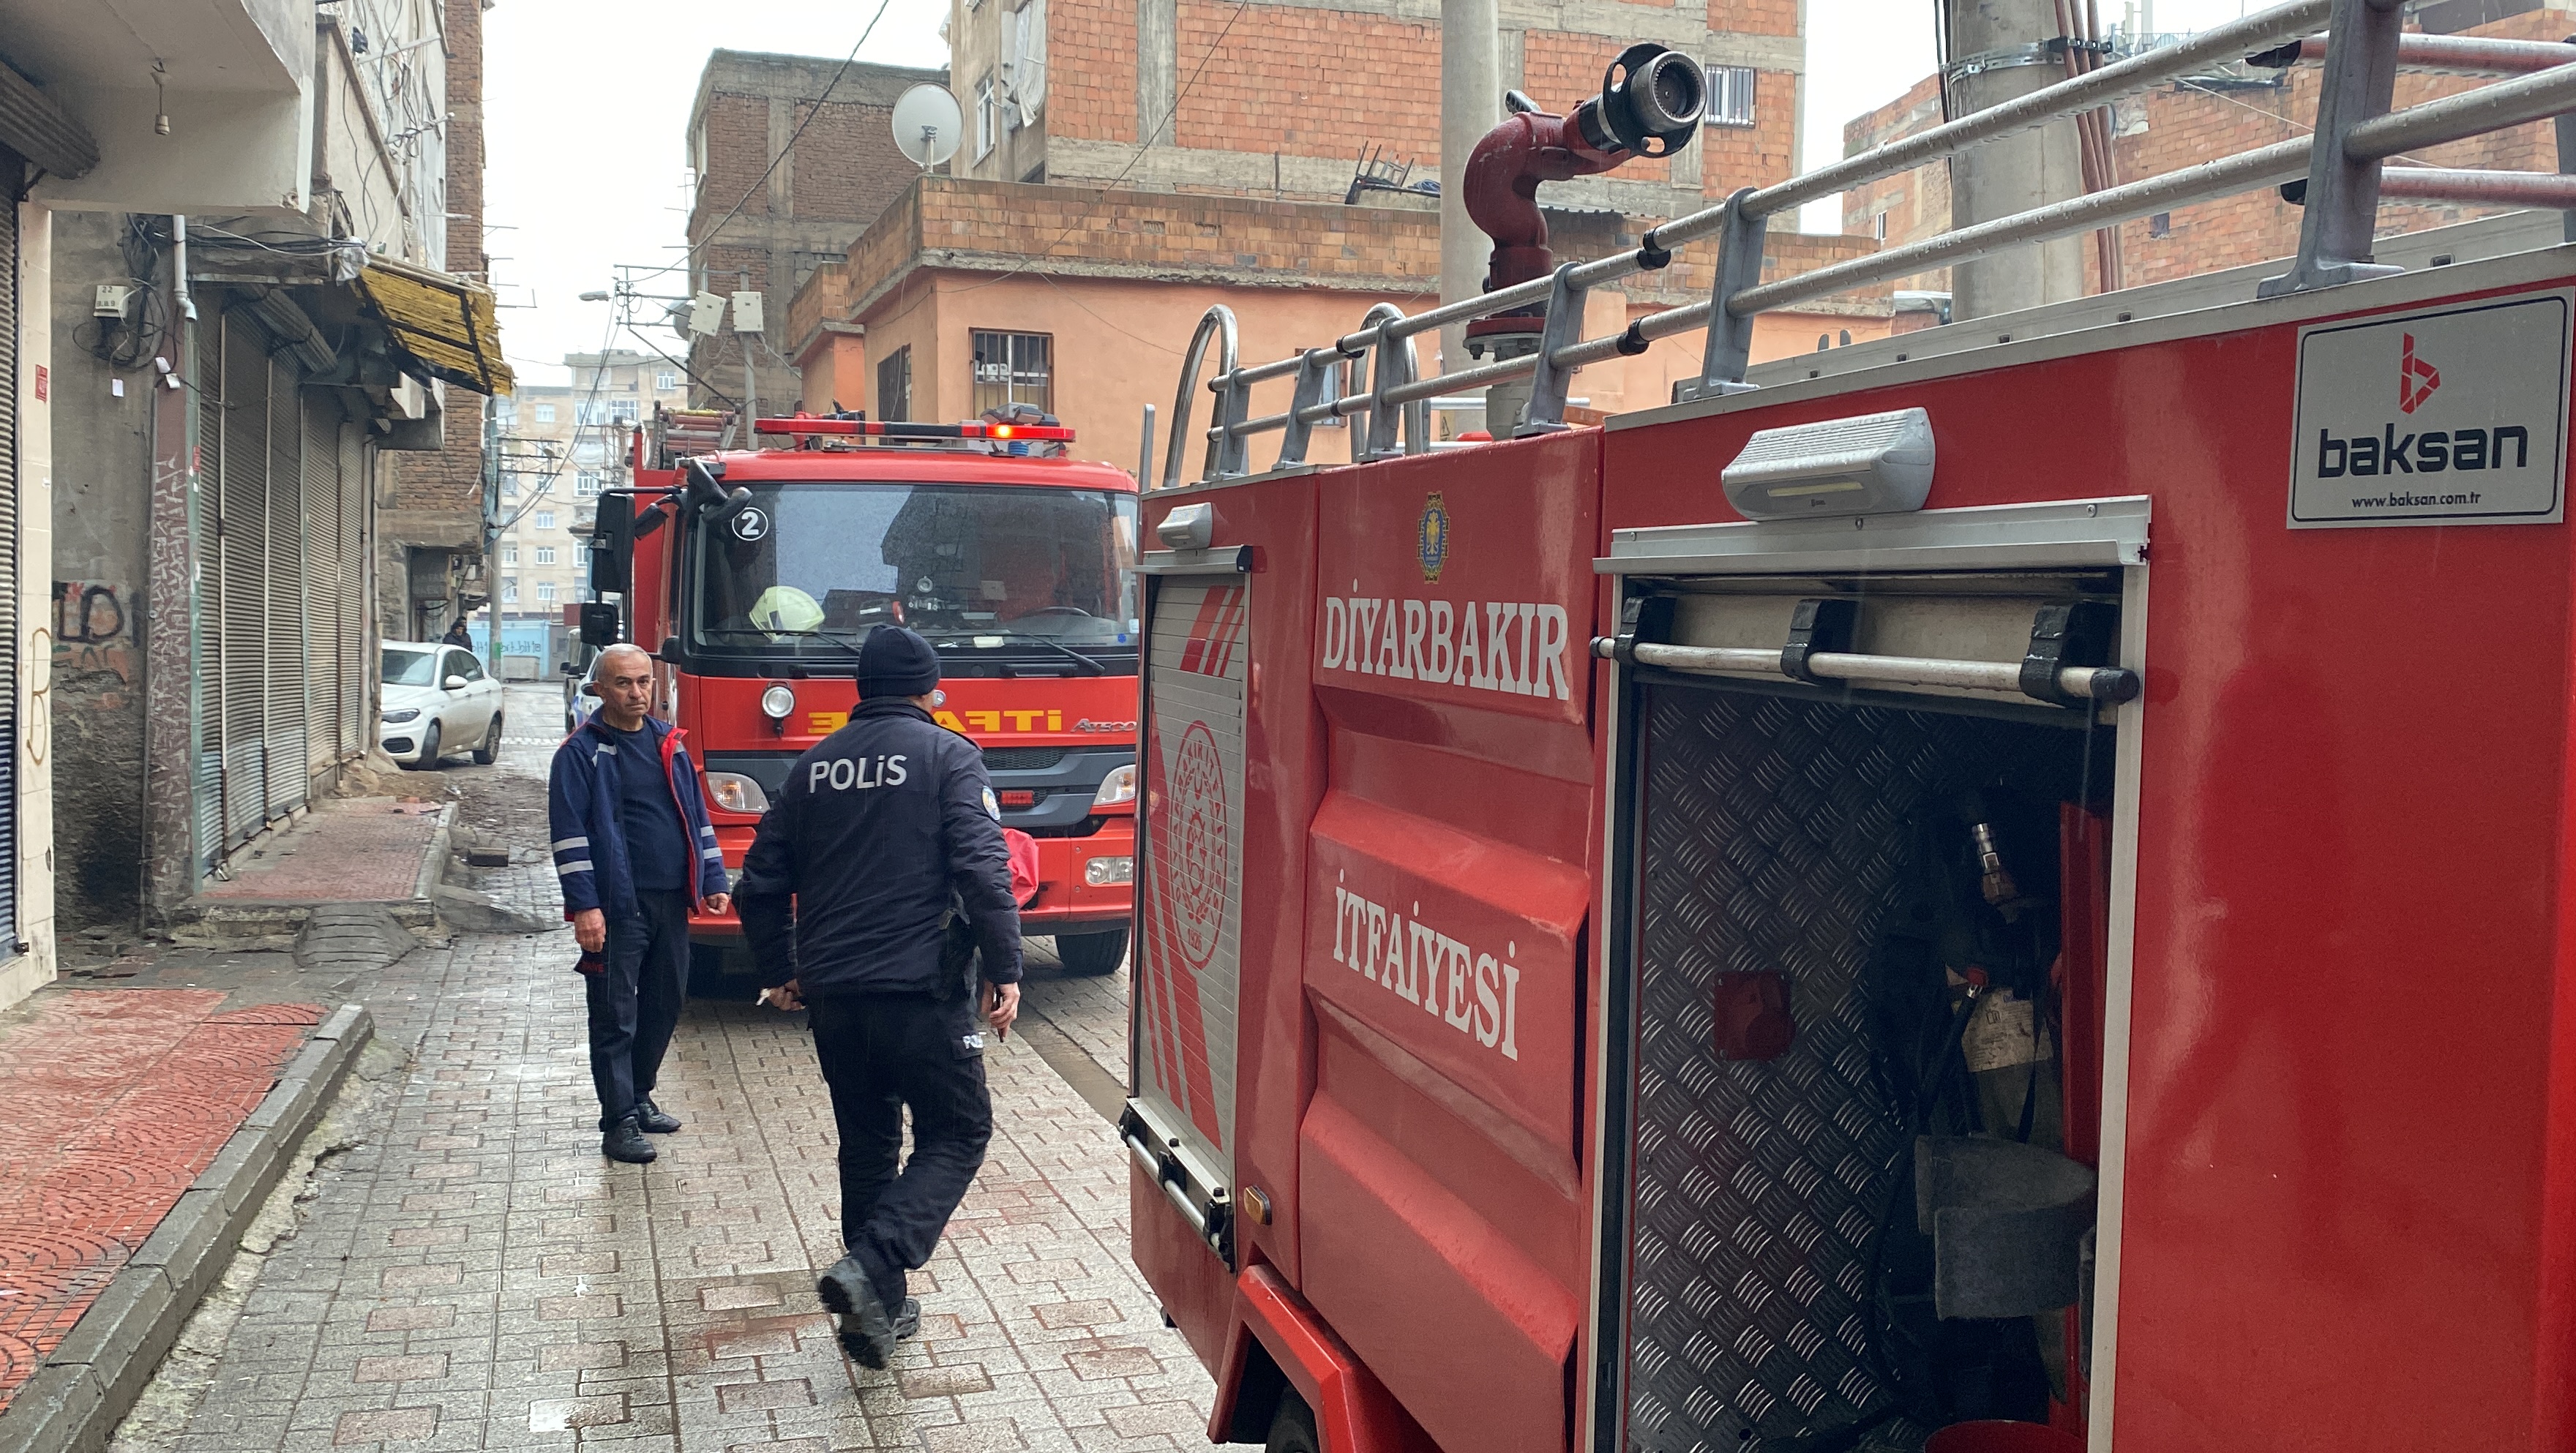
(1433, 536)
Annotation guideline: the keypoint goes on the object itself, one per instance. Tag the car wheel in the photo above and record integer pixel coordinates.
(1090, 955)
(1292, 1428)
(427, 761)
(490, 751)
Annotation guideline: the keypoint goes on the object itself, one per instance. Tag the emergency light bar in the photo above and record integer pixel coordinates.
(881, 429)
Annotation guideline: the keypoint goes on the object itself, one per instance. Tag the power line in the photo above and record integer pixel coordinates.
(766, 172)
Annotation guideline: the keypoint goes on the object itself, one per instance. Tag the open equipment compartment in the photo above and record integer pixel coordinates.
(1859, 973)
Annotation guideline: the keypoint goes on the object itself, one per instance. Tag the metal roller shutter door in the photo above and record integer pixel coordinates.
(12, 168)
(203, 517)
(326, 628)
(288, 649)
(357, 719)
(241, 574)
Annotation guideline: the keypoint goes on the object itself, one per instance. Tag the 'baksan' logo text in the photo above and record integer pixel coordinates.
(2434, 451)
(2416, 379)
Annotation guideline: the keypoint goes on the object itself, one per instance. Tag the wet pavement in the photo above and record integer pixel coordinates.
(462, 1270)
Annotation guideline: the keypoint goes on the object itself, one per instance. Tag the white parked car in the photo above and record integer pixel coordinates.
(438, 701)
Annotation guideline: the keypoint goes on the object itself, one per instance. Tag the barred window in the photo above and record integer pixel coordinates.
(1730, 96)
(1014, 368)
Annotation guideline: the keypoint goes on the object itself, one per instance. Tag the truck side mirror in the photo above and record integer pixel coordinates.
(598, 625)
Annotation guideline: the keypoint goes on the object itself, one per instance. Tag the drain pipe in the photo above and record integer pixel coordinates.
(1649, 106)
(179, 293)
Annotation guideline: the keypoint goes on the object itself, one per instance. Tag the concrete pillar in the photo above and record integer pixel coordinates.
(2019, 172)
(1471, 104)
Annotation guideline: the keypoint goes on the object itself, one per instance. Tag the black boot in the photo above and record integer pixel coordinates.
(627, 1143)
(652, 1119)
(866, 1331)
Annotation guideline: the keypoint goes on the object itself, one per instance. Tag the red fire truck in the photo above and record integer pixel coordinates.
(755, 574)
(1893, 903)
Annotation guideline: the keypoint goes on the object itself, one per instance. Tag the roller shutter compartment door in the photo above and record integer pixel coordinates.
(241, 573)
(326, 627)
(1190, 892)
(287, 647)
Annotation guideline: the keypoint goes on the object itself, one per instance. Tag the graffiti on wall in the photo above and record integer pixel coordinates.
(93, 631)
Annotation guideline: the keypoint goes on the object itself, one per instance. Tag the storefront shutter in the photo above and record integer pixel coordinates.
(241, 570)
(12, 169)
(207, 542)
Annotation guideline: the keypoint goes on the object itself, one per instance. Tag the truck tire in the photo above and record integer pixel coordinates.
(1292, 1428)
(1089, 955)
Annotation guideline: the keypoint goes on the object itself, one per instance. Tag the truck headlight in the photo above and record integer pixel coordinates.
(777, 702)
(734, 792)
(408, 713)
(1103, 872)
(1117, 788)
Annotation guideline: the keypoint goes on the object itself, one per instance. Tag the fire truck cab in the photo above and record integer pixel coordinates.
(754, 576)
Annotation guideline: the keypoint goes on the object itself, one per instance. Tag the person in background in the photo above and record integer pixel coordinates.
(876, 893)
(458, 635)
(635, 852)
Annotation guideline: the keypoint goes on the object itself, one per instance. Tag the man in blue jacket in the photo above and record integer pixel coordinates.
(876, 887)
(635, 852)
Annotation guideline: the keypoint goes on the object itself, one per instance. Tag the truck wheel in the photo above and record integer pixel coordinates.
(1089, 955)
(1292, 1428)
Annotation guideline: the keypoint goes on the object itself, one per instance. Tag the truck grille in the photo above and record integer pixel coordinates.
(1022, 759)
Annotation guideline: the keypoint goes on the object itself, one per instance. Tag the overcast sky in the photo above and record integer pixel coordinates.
(586, 99)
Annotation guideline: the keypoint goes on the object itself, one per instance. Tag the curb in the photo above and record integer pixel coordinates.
(73, 1403)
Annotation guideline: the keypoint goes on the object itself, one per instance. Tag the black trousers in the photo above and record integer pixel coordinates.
(635, 1002)
(881, 1053)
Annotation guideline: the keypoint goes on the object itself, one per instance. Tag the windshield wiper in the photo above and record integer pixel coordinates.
(1089, 666)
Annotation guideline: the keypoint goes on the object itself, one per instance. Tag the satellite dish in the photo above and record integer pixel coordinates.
(928, 125)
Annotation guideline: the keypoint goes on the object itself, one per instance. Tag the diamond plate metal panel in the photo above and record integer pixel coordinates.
(1774, 838)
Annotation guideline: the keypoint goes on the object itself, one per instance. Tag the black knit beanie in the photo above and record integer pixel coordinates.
(894, 661)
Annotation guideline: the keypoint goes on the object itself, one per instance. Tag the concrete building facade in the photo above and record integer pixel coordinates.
(232, 365)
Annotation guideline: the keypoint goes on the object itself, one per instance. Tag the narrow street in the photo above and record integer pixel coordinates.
(462, 1270)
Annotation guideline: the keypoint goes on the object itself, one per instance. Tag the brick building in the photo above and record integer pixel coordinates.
(430, 568)
(763, 233)
(2226, 110)
(970, 294)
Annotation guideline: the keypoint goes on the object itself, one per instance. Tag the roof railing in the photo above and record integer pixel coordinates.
(2343, 163)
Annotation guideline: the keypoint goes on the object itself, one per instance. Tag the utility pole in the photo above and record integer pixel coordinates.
(1471, 104)
(1999, 51)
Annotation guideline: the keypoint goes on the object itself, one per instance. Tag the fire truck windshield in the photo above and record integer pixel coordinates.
(809, 568)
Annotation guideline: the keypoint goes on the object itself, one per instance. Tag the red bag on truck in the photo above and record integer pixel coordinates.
(1024, 865)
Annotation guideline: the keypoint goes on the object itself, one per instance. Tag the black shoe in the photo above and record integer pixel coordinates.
(866, 1332)
(652, 1119)
(907, 1320)
(627, 1143)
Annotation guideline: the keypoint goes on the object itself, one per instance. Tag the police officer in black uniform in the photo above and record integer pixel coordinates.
(876, 894)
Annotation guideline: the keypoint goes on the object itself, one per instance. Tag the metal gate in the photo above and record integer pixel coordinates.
(252, 443)
(1190, 894)
(12, 168)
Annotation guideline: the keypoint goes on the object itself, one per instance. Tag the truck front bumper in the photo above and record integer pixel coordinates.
(1084, 883)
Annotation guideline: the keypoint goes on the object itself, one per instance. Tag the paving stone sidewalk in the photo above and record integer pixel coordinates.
(478, 1277)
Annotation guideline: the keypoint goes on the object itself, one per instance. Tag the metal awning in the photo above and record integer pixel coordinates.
(445, 322)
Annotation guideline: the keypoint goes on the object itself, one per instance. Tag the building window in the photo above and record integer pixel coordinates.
(509, 590)
(2160, 225)
(545, 592)
(545, 519)
(665, 381)
(1014, 368)
(509, 554)
(509, 486)
(545, 413)
(626, 409)
(545, 554)
(1882, 226)
(585, 485)
(1730, 96)
(987, 118)
(894, 385)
